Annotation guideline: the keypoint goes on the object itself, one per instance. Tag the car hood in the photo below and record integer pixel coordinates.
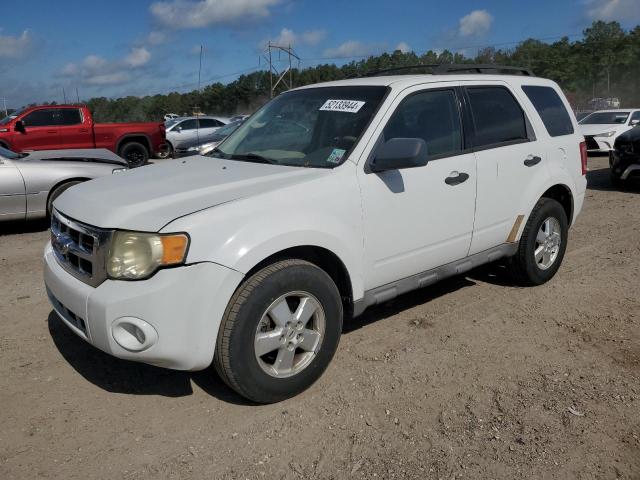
(598, 128)
(97, 155)
(148, 198)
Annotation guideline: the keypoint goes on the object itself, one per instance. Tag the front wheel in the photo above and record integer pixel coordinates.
(279, 331)
(542, 245)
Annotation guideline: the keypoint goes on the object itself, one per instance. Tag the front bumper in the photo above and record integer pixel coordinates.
(177, 310)
(599, 144)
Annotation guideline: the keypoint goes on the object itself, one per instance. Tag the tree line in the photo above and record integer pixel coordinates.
(605, 62)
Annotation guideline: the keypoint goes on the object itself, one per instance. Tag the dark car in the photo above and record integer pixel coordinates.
(624, 159)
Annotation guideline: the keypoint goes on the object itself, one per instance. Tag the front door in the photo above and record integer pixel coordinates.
(13, 202)
(41, 131)
(420, 218)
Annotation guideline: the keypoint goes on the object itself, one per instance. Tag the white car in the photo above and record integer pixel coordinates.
(171, 116)
(189, 129)
(330, 199)
(601, 128)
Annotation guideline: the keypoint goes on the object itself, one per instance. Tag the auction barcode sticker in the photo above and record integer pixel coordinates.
(349, 106)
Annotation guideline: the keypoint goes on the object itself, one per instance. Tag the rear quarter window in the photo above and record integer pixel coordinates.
(552, 111)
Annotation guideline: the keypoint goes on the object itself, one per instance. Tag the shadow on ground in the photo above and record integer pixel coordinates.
(122, 376)
(599, 180)
(23, 226)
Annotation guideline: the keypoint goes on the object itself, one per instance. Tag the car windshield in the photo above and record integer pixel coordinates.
(8, 154)
(605, 118)
(11, 116)
(312, 127)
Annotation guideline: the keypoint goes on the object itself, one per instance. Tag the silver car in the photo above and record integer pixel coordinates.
(31, 181)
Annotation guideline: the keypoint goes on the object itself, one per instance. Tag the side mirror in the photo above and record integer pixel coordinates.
(19, 127)
(634, 123)
(177, 129)
(399, 153)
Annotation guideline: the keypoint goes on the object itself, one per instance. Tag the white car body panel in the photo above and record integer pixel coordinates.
(383, 227)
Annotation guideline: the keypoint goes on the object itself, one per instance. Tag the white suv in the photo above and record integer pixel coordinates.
(331, 198)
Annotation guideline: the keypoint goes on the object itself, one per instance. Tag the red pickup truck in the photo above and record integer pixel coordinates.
(55, 127)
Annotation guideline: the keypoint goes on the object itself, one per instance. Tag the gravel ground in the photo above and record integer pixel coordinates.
(473, 378)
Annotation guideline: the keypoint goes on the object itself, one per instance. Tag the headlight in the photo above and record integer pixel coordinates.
(606, 134)
(118, 170)
(195, 148)
(137, 255)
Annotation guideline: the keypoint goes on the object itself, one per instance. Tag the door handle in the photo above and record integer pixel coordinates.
(456, 178)
(532, 160)
(52, 131)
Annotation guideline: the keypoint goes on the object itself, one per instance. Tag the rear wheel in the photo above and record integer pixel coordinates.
(135, 153)
(56, 192)
(542, 245)
(279, 332)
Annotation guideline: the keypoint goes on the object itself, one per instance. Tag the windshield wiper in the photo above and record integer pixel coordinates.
(253, 157)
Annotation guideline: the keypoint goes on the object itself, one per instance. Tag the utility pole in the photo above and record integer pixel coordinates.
(64, 95)
(268, 56)
(6, 112)
(77, 95)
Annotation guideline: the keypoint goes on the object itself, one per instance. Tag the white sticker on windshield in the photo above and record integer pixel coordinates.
(349, 106)
(336, 155)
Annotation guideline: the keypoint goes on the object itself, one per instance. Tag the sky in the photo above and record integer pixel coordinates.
(117, 48)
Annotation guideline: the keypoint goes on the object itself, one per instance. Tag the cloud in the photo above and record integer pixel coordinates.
(139, 56)
(288, 37)
(96, 70)
(352, 48)
(15, 47)
(475, 24)
(403, 47)
(157, 38)
(608, 10)
(178, 14)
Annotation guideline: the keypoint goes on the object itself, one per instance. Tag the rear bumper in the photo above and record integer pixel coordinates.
(170, 320)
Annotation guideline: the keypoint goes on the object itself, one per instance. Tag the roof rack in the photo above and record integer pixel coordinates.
(451, 68)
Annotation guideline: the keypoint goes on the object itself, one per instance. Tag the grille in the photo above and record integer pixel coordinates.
(80, 248)
(591, 143)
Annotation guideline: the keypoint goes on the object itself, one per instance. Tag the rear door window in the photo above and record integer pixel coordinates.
(69, 116)
(552, 111)
(497, 117)
(209, 123)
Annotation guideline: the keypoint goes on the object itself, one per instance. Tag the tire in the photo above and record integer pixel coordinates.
(251, 313)
(525, 267)
(55, 193)
(168, 153)
(135, 153)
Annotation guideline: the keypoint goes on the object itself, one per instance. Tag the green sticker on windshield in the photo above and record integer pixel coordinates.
(336, 155)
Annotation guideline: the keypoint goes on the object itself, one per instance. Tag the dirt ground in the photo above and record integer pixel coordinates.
(473, 378)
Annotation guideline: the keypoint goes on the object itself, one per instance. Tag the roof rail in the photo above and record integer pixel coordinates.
(451, 68)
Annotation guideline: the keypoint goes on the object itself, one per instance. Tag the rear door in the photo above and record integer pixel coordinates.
(417, 219)
(73, 130)
(509, 159)
(12, 192)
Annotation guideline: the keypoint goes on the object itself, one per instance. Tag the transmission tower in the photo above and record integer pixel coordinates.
(268, 55)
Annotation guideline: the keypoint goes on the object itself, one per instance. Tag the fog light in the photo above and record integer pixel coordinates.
(133, 334)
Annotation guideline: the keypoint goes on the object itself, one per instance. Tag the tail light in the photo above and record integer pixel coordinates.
(583, 157)
(163, 130)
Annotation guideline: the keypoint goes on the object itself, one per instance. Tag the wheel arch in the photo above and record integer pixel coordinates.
(562, 194)
(134, 137)
(324, 259)
(62, 182)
